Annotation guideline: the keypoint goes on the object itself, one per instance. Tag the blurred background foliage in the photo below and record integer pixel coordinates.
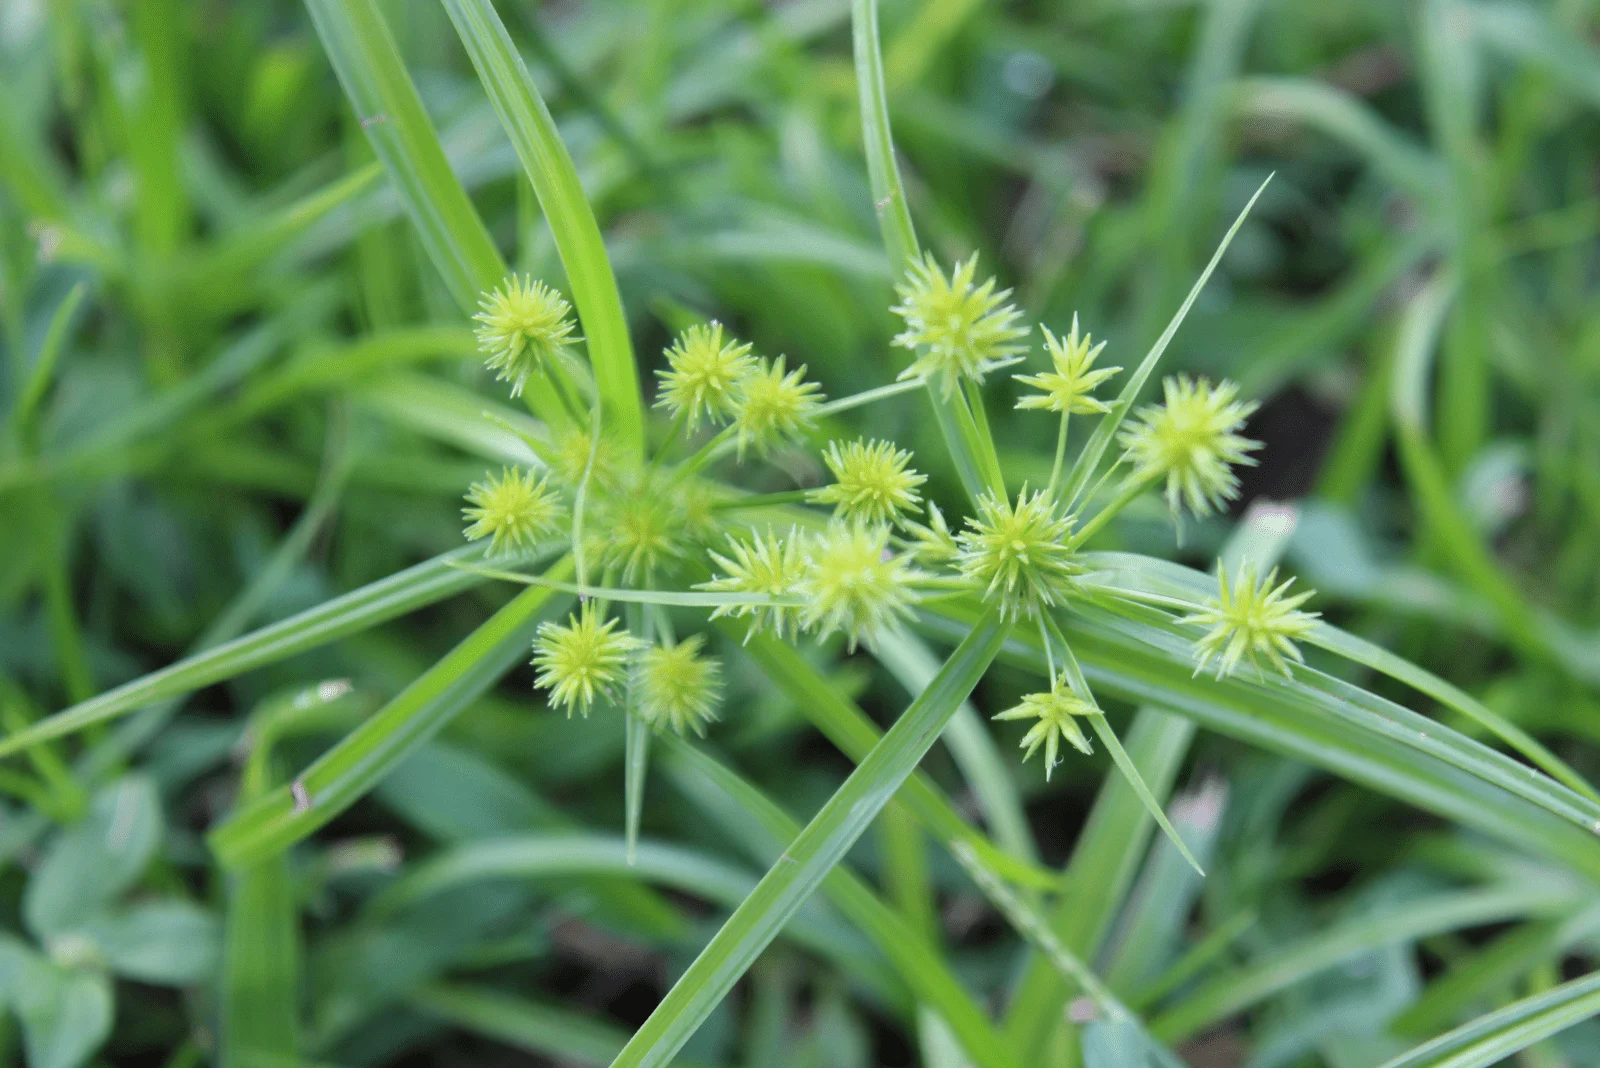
(235, 387)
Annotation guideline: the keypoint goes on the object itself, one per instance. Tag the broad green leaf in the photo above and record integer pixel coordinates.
(171, 943)
(93, 862)
(65, 1013)
(814, 852)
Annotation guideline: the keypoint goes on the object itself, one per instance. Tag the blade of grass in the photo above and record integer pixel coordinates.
(1087, 463)
(972, 452)
(342, 775)
(559, 856)
(356, 38)
(848, 727)
(413, 588)
(816, 850)
(1496, 1036)
(546, 1030)
(544, 157)
(44, 366)
(357, 41)
(1237, 989)
(750, 816)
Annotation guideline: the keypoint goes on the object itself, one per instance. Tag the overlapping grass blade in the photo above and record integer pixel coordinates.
(848, 727)
(814, 853)
(533, 134)
(1237, 989)
(749, 816)
(555, 856)
(375, 603)
(1496, 1036)
(971, 450)
(341, 776)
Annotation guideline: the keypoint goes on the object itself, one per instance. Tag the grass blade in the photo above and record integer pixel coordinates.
(846, 726)
(1495, 1036)
(533, 134)
(558, 856)
(359, 610)
(814, 853)
(1238, 989)
(746, 813)
(1088, 461)
(341, 776)
(972, 451)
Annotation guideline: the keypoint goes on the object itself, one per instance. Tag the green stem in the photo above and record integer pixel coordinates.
(1061, 455)
(1130, 489)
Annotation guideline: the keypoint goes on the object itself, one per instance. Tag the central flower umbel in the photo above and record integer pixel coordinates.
(1019, 553)
(855, 584)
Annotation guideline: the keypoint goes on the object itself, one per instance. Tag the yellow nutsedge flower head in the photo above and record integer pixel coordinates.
(873, 483)
(772, 405)
(703, 373)
(581, 659)
(855, 584)
(643, 523)
(1249, 617)
(513, 510)
(675, 686)
(1070, 384)
(1019, 553)
(964, 328)
(933, 543)
(568, 457)
(523, 326)
(765, 566)
(1057, 713)
(1193, 440)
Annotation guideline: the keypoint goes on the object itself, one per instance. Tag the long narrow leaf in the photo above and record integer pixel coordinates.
(533, 134)
(814, 853)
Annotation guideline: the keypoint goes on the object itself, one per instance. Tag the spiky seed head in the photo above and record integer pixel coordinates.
(677, 687)
(764, 566)
(643, 523)
(584, 658)
(704, 371)
(771, 405)
(963, 328)
(872, 483)
(1057, 713)
(854, 584)
(523, 325)
(514, 510)
(1192, 440)
(568, 456)
(932, 542)
(1018, 553)
(1070, 383)
(1250, 617)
